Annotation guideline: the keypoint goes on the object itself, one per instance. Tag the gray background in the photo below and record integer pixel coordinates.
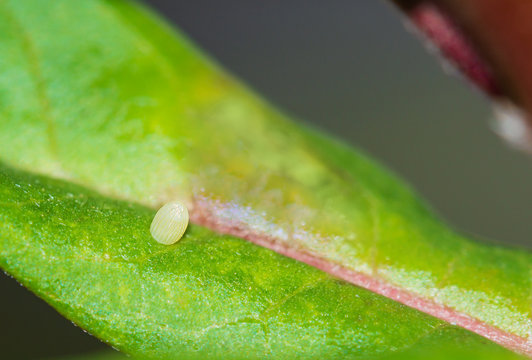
(351, 68)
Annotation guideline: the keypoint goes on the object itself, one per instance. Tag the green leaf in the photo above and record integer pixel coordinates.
(210, 296)
(104, 95)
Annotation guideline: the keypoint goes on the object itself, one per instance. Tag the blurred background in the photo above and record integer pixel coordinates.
(351, 68)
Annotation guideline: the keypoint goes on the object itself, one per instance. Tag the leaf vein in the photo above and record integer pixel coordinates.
(35, 72)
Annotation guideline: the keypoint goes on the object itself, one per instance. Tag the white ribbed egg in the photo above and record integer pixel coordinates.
(170, 223)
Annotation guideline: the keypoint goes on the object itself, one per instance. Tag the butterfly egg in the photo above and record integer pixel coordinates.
(170, 223)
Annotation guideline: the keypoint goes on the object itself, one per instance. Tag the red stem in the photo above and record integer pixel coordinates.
(490, 41)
